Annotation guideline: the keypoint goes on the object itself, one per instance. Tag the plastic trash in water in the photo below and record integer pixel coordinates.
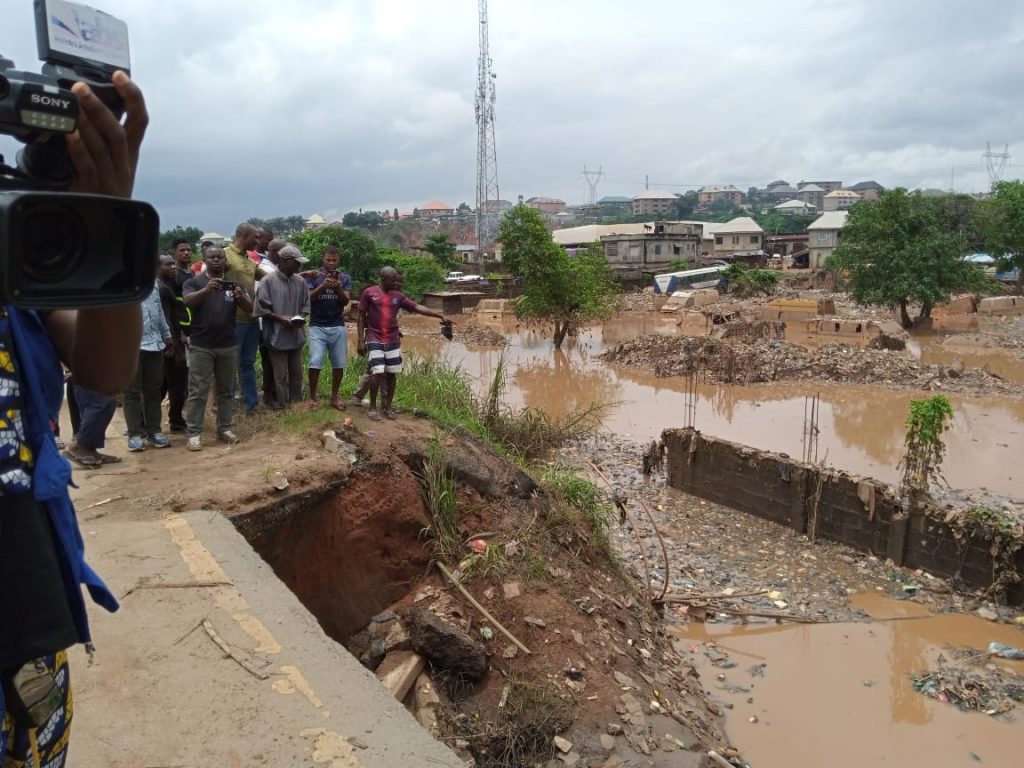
(1004, 651)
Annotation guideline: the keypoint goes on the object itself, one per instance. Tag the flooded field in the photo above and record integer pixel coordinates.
(841, 694)
(861, 426)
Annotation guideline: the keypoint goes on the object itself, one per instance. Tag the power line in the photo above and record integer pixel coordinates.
(593, 178)
(996, 162)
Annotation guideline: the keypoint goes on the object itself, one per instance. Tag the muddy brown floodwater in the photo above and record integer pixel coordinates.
(861, 426)
(840, 694)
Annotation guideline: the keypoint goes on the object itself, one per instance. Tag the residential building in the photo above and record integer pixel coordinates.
(549, 205)
(782, 191)
(841, 200)
(615, 205)
(435, 210)
(868, 190)
(497, 206)
(316, 221)
(717, 194)
(773, 185)
(795, 208)
(652, 249)
(824, 236)
(812, 194)
(739, 237)
(581, 237)
(653, 202)
(216, 238)
(786, 245)
(828, 186)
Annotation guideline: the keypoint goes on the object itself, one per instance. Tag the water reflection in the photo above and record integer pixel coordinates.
(862, 427)
(843, 692)
(559, 385)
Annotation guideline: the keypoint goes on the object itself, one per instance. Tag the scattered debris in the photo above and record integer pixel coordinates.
(769, 360)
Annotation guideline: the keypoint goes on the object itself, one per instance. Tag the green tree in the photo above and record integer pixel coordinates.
(922, 463)
(421, 273)
(192, 234)
(1001, 221)
(371, 220)
(441, 247)
(557, 287)
(900, 251)
(282, 226)
(359, 257)
(750, 282)
(463, 209)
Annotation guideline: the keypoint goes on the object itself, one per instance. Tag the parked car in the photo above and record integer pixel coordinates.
(453, 277)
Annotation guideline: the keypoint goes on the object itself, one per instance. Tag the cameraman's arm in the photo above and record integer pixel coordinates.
(101, 346)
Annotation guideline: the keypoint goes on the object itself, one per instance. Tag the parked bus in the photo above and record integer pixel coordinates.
(705, 277)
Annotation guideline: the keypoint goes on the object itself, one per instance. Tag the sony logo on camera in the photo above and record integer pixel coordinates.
(50, 101)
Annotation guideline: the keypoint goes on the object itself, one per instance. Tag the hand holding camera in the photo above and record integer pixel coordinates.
(56, 246)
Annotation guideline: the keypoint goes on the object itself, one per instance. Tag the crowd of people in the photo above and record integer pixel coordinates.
(208, 321)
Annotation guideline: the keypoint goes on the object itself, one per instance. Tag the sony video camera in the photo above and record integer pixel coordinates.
(60, 249)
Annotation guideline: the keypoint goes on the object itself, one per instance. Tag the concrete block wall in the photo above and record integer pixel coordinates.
(860, 512)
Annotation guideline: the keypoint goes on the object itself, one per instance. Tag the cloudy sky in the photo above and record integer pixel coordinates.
(276, 107)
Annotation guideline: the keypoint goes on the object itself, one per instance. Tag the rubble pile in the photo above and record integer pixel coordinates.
(769, 360)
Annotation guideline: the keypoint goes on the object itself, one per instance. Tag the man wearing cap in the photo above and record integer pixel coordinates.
(282, 300)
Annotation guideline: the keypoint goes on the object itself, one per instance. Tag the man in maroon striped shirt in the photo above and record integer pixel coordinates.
(377, 334)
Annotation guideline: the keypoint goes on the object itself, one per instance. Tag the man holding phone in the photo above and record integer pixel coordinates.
(214, 352)
(330, 290)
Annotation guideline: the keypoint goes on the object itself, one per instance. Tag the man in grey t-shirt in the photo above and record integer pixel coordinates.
(282, 300)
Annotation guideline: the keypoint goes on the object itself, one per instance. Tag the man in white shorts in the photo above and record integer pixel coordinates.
(378, 337)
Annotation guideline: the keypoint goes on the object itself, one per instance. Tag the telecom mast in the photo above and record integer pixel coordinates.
(487, 197)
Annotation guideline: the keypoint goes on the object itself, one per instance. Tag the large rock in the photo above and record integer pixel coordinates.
(446, 645)
(469, 460)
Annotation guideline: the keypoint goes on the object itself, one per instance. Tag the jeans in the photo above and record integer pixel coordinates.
(247, 337)
(218, 365)
(142, 411)
(95, 411)
(287, 375)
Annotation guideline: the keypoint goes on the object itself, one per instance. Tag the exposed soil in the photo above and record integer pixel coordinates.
(349, 540)
(766, 361)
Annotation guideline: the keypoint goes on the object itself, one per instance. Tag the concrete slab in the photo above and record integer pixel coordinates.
(161, 692)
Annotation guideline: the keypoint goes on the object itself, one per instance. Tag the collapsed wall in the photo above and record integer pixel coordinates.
(863, 513)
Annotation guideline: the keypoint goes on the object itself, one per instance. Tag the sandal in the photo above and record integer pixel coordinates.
(85, 462)
(312, 405)
(106, 458)
(337, 405)
(389, 414)
(373, 414)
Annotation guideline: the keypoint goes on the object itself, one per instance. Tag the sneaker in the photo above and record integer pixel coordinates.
(159, 440)
(227, 436)
(136, 444)
(195, 443)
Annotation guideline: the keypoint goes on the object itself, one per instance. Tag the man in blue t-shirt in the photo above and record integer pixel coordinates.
(329, 292)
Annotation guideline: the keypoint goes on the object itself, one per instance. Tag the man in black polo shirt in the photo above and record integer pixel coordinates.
(213, 350)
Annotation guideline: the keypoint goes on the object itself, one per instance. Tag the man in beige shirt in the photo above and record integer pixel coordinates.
(243, 270)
